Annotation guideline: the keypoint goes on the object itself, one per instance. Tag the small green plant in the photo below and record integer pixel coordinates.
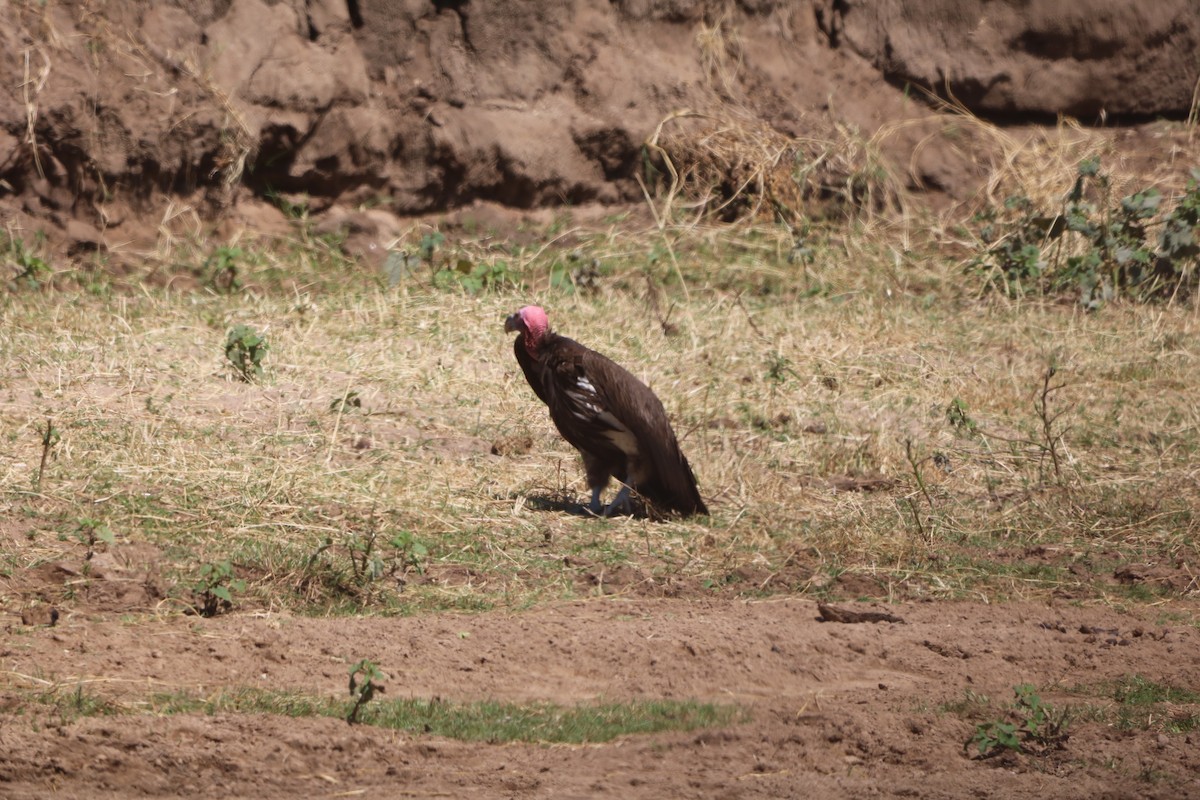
(221, 270)
(992, 737)
(356, 564)
(370, 562)
(430, 242)
(1114, 254)
(90, 531)
(50, 438)
(779, 368)
(959, 417)
(215, 587)
(245, 348)
(397, 266)
(1031, 726)
(409, 550)
(474, 278)
(366, 560)
(1014, 241)
(429, 245)
(31, 271)
(365, 680)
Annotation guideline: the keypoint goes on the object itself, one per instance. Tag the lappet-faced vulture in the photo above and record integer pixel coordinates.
(615, 421)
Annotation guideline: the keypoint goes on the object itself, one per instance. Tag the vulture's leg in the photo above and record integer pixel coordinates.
(594, 506)
(597, 478)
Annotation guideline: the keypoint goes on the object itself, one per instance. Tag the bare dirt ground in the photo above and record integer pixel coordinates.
(834, 710)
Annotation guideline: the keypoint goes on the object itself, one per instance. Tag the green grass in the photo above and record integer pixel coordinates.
(484, 721)
(71, 704)
(1138, 690)
(1128, 703)
(1139, 703)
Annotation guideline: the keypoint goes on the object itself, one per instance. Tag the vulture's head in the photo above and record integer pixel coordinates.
(532, 323)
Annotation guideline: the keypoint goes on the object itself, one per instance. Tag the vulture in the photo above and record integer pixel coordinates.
(614, 420)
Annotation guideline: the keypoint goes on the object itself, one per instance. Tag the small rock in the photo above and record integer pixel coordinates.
(512, 445)
(83, 238)
(40, 615)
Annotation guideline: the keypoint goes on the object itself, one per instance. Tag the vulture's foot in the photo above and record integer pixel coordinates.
(621, 501)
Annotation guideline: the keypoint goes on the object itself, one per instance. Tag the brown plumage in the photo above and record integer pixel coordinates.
(615, 421)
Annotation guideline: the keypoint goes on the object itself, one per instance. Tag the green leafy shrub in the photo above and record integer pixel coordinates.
(92, 531)
(214, 588)
(474, 277)
(245, 348)
(221, 270)
(356, 564)
(1179, 241)
(29, 271)
(429, 245)
(1031, 726)
(1093, 246)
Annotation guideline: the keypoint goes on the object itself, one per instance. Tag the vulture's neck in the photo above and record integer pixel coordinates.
(533, 342)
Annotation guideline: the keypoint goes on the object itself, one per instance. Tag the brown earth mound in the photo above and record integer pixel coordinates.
(870, 709)
(119, 114)
(1088, 58)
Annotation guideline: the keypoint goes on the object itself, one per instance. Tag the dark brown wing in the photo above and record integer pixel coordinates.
(598, 405)
(579, 423)
(576, 411)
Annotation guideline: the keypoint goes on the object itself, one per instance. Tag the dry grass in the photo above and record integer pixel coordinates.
(731, 164)
(1041, 162)
(724, 161)
(813, 402)
(862, 419)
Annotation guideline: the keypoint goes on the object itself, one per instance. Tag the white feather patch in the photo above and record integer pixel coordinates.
(584, 397)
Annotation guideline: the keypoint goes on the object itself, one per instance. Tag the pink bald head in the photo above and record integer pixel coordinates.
(531, 321)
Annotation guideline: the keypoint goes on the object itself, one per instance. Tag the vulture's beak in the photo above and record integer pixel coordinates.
(512, 323)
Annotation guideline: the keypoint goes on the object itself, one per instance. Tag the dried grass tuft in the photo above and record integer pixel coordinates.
(731, 165)
(1042, 162)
